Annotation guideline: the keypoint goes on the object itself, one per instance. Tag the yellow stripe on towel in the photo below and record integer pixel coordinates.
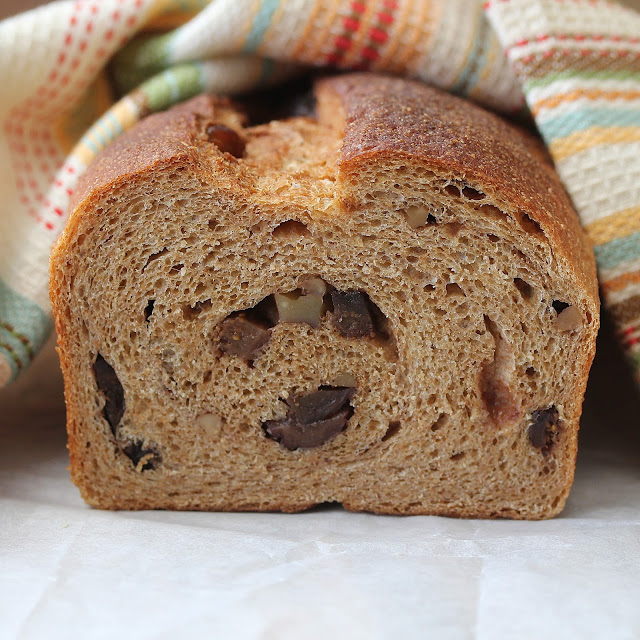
(618, 225)
(582, 140)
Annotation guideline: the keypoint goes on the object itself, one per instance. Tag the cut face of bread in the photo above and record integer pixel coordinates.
(391, 307)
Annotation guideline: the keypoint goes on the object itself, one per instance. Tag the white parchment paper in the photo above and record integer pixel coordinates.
(68, 571)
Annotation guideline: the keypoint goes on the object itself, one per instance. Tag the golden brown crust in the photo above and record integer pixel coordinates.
(155, 140)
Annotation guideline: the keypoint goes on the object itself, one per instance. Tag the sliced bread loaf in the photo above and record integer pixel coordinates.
(391, 306)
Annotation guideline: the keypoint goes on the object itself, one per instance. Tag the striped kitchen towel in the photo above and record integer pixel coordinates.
(574, 63)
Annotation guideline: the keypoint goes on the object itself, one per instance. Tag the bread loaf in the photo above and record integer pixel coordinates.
(390, 306)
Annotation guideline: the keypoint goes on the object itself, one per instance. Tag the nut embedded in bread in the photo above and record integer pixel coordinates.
(390, 306)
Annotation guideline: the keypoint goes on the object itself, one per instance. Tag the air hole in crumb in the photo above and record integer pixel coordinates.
(529, 225)
(392, 430)
(148, 310)
(454, 289)
(189, 313)
(154, 256)
(452, 190)
(325, 506)
(525, 289)
(175, 269)
(458, 456)
(492, 211)
(429, 287)
(213, 224)
(559, 306)
(441, 422)
(291, 228)
(226, 139)
(531, 372)
(472, 194)
(108, 383)
(492, 237)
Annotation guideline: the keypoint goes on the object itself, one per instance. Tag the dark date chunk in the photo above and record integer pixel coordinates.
(143, 458)
(313, 418)
(293, 435)
(242, 336)
(351, 315)
(226, 139)
(110, 386)
(320, 404)
(544, 429)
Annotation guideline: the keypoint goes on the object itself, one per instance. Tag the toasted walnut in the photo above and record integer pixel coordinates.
(344, 379)
(419, 216)
(569, 319)
(303, 305)
(496, 388)
(210, 423)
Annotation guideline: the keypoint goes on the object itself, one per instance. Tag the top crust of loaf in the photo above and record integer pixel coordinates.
(157, 140)
(382, 117)
(392, 116)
